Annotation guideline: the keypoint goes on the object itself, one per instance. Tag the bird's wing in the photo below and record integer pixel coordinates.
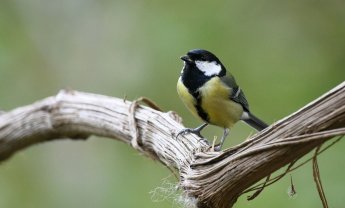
(236, 94)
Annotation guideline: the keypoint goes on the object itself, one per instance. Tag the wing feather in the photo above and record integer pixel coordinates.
(236, 93)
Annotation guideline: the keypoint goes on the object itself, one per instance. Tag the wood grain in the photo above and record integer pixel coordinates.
(211, 179)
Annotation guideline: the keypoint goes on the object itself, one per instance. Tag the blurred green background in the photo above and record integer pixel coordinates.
(283, 53)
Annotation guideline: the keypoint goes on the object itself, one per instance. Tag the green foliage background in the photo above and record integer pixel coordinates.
(283, 53)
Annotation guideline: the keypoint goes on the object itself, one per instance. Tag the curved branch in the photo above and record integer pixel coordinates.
(78, 115)
(215, 179)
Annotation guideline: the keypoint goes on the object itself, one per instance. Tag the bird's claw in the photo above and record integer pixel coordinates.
(188, 131)
(195, 131)
(217, 148)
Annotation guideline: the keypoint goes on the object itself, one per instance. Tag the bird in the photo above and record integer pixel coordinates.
(211, 93)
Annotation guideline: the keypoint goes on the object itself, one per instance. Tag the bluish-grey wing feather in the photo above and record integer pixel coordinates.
(236, 94)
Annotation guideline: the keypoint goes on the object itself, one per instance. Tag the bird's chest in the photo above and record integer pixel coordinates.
(214, 89)
(216, 102)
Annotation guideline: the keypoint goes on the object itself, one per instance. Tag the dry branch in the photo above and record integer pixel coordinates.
(215, 179)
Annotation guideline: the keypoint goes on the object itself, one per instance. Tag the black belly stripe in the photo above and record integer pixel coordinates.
(201, 112)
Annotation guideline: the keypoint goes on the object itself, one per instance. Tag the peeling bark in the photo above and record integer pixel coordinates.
(214, 179)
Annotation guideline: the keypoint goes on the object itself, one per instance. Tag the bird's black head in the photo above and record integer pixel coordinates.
(204, 61)
(199, 55)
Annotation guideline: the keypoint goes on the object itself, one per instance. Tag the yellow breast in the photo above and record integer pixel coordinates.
(187, 99)
(216, 102)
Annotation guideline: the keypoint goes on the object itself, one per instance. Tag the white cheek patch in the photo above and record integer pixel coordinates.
(209, 68)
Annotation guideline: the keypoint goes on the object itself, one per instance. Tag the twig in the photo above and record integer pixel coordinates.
(297, 140)
(260, 189)
(290, 168)
(317, 179)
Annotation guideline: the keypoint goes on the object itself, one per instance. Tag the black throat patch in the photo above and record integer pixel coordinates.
(193, 79)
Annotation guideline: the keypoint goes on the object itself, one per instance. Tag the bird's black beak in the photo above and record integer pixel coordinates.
(186, 59)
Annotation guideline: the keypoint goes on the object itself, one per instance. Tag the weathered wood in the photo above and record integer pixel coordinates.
(211, 179)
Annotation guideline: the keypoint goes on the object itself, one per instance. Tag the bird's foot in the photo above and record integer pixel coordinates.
(217, 147)
(195, 131)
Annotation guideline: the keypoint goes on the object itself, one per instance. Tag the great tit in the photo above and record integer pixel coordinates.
(212, 94)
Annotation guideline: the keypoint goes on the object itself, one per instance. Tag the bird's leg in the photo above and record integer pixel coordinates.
(218, 147)
(194, 131)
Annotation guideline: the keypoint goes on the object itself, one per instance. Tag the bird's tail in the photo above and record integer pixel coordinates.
(254, 122)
